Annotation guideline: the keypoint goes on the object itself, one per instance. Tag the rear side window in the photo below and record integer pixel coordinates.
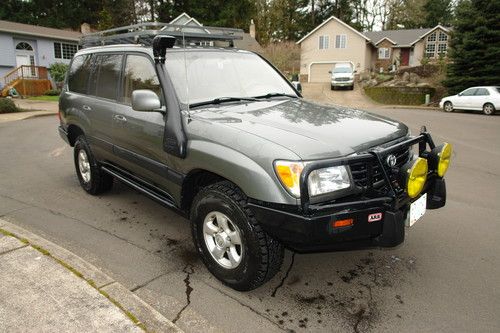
(482, 92)
(108, 75)
(79, 73)
(139, 74)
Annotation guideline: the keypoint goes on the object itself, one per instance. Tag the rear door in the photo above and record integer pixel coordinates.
(480, 98)
(139, 135)
(101, 106)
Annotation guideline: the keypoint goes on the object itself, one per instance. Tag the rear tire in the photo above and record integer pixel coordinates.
(91, 177)
(218, 213)
(448, 107)
(488, 109)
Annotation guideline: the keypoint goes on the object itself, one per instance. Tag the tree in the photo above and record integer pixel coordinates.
(475, 45)
(437, 12)
(406, 14)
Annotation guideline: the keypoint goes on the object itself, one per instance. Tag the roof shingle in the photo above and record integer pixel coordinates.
(35, 30)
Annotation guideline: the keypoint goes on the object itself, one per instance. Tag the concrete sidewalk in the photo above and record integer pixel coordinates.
(45, 288)
(34, 109)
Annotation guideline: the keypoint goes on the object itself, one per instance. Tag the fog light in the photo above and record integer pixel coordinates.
(417, 175)
(444, 159)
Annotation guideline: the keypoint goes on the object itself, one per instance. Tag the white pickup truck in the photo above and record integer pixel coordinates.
(342, 76)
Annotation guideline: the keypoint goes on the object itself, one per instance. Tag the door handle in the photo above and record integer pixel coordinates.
(87, 108)
(119, 117)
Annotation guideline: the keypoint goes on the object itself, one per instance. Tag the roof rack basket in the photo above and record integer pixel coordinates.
(143, 33)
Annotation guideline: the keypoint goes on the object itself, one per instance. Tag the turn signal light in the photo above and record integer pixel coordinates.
(417, 175)
(342, 223)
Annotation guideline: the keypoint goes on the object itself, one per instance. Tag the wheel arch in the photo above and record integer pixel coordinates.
(73, 132)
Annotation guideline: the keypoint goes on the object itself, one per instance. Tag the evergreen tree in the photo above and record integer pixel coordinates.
(437, 12)
(475, 45)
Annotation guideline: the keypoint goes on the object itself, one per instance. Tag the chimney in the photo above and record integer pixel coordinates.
(85, 28)
(252, 29)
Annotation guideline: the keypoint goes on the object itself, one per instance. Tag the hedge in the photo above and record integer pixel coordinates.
(399, 95)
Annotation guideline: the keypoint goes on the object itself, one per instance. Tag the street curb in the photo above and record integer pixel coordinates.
(141, 313)
(416, 107)
(44, 114)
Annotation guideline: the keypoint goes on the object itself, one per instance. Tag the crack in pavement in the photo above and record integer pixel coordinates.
(147, 282)
(284, 277)
(188, 269)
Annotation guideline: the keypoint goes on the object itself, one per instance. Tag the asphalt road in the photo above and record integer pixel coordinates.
(445, 277)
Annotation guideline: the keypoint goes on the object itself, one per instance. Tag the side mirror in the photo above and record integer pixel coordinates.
(297, 86)
(145, 100)
(329, 72)
(355, 71)
(459, 94)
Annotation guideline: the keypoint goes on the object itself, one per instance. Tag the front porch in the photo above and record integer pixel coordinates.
(27, 80)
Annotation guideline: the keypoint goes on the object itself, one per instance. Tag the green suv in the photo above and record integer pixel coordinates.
(221, 136)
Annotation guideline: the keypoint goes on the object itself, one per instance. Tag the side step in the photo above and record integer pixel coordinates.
(149, 190)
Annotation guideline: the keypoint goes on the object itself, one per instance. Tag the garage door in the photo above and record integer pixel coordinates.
(319, 72)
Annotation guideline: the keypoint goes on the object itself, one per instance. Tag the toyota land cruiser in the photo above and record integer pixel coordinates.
(220, 135)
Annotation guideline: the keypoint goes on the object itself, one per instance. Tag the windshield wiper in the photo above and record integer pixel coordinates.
(270, 95)
(220, 100)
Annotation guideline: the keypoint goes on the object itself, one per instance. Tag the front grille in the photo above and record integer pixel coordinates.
(360, 170)
(342, 79)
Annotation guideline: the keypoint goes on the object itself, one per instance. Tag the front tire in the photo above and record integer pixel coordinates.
(91, 177)
(448, 107)
(488, 109)
(230, 241)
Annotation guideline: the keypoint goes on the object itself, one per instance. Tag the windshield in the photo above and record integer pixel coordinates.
(342, 70)
(216, 74)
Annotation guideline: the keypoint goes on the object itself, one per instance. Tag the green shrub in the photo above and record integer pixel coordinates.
(58, 71)
(7, 106)
(383, 77)
(399, 95)
(52, 92)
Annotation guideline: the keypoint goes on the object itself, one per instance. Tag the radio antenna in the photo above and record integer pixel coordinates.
(186, 73)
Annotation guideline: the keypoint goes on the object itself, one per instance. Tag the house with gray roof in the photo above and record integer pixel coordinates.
(35, 46)
(334, 41)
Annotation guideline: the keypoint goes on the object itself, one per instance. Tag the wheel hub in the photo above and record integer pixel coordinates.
(223, 240)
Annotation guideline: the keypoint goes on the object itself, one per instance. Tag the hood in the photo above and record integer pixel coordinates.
(310, 130)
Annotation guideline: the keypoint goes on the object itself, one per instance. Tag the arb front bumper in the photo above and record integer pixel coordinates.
(373, 214)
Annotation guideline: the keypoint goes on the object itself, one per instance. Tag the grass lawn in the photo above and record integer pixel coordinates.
(45, 98)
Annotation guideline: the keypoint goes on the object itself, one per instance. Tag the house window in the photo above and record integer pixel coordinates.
(324, 42)
(443, 37)
(430, 50)
(340, 41)
(24, 46)
(431, 37)
(442, 48)
(384, 53)
(64, 51)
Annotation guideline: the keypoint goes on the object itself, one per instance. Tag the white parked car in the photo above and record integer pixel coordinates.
(486, 99)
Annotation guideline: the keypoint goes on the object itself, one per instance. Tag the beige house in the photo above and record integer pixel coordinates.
(334, 41)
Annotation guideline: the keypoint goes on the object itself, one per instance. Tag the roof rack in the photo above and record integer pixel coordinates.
(143, 33)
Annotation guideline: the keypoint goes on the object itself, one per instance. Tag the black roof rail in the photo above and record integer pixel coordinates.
(144, 33)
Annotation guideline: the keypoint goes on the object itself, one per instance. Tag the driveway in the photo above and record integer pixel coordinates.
(321, 92)
(444, 278)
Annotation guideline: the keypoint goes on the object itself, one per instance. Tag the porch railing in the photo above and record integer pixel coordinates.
(26, 72)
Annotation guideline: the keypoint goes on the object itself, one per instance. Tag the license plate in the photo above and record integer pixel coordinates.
(417, 210)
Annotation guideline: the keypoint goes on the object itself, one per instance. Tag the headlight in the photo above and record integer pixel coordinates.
(328, 180)
(320, 181)
(416, 177)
